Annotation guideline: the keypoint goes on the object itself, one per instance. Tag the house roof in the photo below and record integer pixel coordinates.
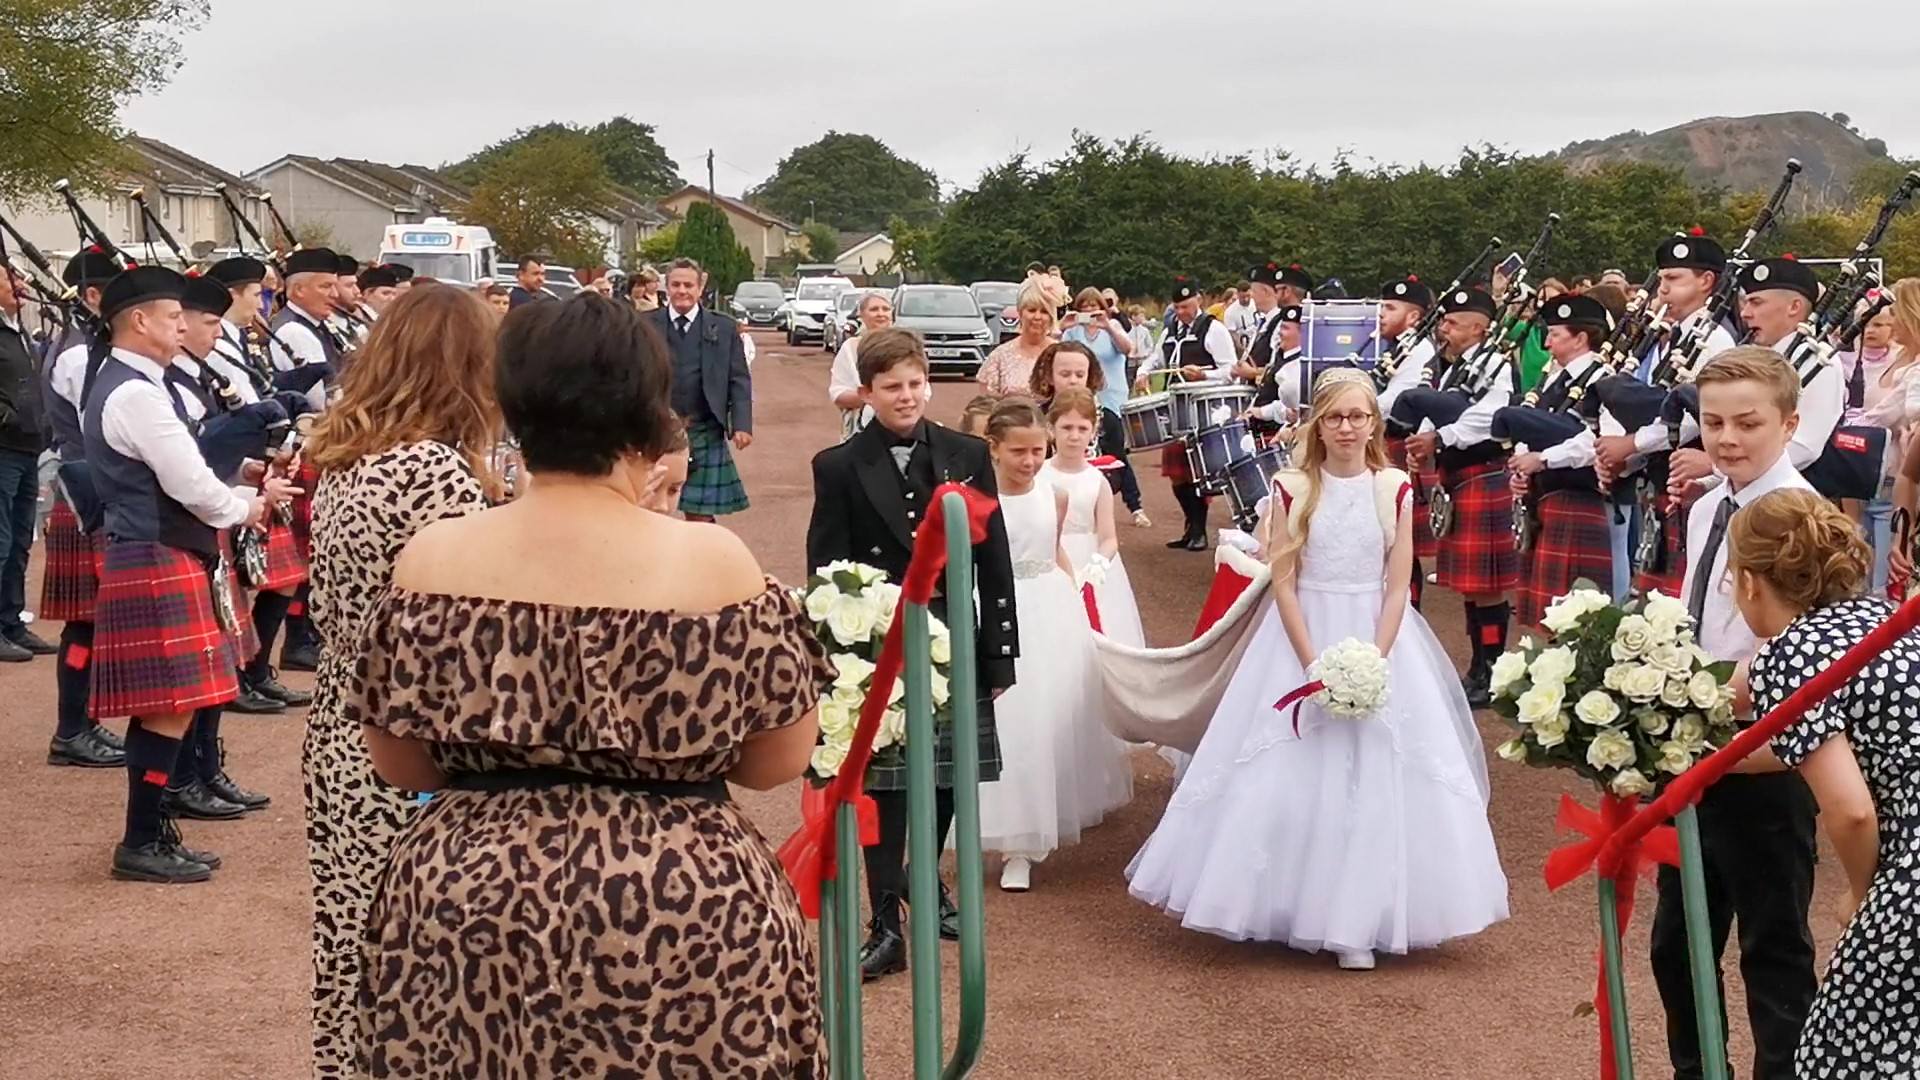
(169, 167)
(736, 205)
(856, 245)
(406, 188)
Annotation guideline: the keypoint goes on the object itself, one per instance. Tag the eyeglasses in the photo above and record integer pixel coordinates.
(1359, 421)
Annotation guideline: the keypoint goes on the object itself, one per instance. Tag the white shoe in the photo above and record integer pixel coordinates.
(1141, 520)
(1356, 960)
(1016, 875)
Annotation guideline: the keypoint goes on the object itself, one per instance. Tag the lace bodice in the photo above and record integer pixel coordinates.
(1083, 494)
(1344, 540)
(1032, 529)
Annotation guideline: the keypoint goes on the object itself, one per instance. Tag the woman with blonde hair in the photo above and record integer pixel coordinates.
(406, 444)
(1798, 566)
(1009, 369)
(1350, 836)
(1883, 390)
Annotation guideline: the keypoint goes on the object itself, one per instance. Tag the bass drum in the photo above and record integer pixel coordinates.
(1248, 481)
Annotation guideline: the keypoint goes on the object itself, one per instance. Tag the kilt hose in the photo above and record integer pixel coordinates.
(1477, 557)
(246, 640)
(1426, 546)
(72, 579)
(157, 647)
(713, 482)
(1572, 543)
(1670, 578)
(286, 556)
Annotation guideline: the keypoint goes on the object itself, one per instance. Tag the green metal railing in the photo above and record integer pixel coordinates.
(840, 922)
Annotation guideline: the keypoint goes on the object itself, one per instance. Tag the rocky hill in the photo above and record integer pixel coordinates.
(1745, 153)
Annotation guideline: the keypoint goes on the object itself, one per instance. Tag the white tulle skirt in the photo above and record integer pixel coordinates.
(1061, 770)
(1357, 834)
(1119, 612)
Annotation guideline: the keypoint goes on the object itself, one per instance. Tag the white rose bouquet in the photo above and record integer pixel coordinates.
(1621, 695)
(1348, 680)
(852, 606)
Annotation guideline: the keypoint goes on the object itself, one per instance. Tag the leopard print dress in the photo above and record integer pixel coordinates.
(362, 517)
(585, 929)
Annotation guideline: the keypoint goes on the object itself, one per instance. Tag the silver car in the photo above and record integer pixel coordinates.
(948, 320)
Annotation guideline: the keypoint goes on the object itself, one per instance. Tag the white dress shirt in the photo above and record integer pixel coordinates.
(1822, 404)
(1576, 452)
(68, 376)
(294, 343)
(1408, 374)
(1723, 632)
(138, 421)
(1653, 437)
(1219, 346)
(1241, 318)
(1475, 425)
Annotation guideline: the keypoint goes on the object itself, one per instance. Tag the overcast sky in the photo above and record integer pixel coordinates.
(958, 86)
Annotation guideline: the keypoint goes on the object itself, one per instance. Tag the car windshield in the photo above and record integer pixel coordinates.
(762, 291)
(819, 290)
(941, 303)
(436, 265)
(848, 302)
(997, 295)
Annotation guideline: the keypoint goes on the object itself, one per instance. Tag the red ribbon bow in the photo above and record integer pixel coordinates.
(1296, 698)
(809, 854)
(1571, 862)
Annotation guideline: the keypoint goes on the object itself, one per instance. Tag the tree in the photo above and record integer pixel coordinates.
(66, 68)
(852, 182)
(706, 236)
(534, 197)
(659, 247)
(911, 244)
(626, 148)
(823, 244)
(1843, 119)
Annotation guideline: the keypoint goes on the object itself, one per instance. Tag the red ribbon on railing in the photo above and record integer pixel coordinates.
(809, 854)
(1571, 862)
(1296, 698)
(1093, 606)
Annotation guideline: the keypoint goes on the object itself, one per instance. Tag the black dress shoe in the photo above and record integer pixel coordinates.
(301, 658)
(110, 737)
(85, 751)
(884, 953)
(31, 642)
(170, 832)
(160, 862)
(1196, 543)
(1183, 541)
(949, 915)
(13, 654)
(193, 800)
(1479, 694)
(254, 703)
(271, 687)
(222, 786)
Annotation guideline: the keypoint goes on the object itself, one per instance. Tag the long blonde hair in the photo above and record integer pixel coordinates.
(1906, 321)
(424, 374)
(1328, 390)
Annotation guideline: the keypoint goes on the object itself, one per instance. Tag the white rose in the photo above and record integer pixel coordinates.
(1651, 721)
(1553, 666)
(1630, 782)
(1551, 732)
(1665, 615)
(1721, 715)
(886, 600)
(941, 691)
(1615, 677)
(898, 690)
(871, 575)
(893, 728)
(1643, 683)
(850, 671)
(1564, 614)
(941, 647)
(1514, 750)
(1541, 703)
(1703, 690)
(1597, 708)
(849, 697)
(1674, 694)
(1611, 749)
(1675, 757)
(1670, 659)
(1632, 638)
(851, 620)
(820, 602)
(1690, 731)
(837, 721)
(830, 755)
(1507, 671)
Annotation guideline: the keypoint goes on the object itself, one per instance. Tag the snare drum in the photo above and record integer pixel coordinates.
(1149, 421)
(1212, 449)
(1187, 417)
(1248, 481)
(1220, 404)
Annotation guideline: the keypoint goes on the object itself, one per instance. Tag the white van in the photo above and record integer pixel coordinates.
(439, 249)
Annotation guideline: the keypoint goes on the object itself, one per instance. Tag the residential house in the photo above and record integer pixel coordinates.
(864, 254)
(180, 189)
(625, 220)
(762, 234)
(354, 201)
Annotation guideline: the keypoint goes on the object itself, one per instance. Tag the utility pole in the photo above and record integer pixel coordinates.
(712, 192)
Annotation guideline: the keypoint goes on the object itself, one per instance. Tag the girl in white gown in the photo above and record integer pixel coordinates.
(1355, 836)
(1061, 771)
(1089, 529)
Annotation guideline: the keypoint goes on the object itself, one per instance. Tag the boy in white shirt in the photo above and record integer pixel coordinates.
(1757, 830)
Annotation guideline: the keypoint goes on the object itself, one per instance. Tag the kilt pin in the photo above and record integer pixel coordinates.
(1573, 543)
(1477, 557)
(158, 647)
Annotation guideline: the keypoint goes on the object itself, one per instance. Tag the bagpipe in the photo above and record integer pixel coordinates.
(260, 332)
(1403, 345)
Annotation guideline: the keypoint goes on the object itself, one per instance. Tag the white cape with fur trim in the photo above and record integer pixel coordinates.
(1168, 696)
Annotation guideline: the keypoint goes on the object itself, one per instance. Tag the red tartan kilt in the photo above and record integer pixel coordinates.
(72, 580)
(1573, 543)
(1426, 546)
(1477, 557)
(1673, 578)
(307, 479)
(157, 647)
(246, 640)
(1173, 463)
(286, 557)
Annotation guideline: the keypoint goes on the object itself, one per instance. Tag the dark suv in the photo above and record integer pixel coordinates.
(757, 303)
(999, 305)
(948, 320)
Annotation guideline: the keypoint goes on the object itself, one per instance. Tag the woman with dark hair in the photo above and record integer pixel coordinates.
(405, 445)
(577, 678)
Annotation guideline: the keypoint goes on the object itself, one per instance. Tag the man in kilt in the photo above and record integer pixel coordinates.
(1557, 482)
(72, 579)
(870, 494)
(1200, 348)
(307, 357)
(161, 650)
(1476, 557)
(1404, 302)
(712, 393)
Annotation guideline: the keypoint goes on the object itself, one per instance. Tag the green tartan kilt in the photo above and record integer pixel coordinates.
(713, 482)
(890, 773)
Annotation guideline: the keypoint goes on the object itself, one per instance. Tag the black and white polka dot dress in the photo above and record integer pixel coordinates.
(1866, 1019)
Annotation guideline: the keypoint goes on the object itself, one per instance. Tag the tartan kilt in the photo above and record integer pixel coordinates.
(72, 580)
(1426, 546)
(307, 479)
(246, 639)
(1477, 557)
(286, 556)
(1173, 463)
(157, 646)
(891, 775)
(1573, 543)
(1672, 578)
(713, 482)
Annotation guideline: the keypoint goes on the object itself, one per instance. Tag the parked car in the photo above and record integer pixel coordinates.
(846, 320)
(998, 305)
(758, 303)
(948, 320)
(812, 306)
